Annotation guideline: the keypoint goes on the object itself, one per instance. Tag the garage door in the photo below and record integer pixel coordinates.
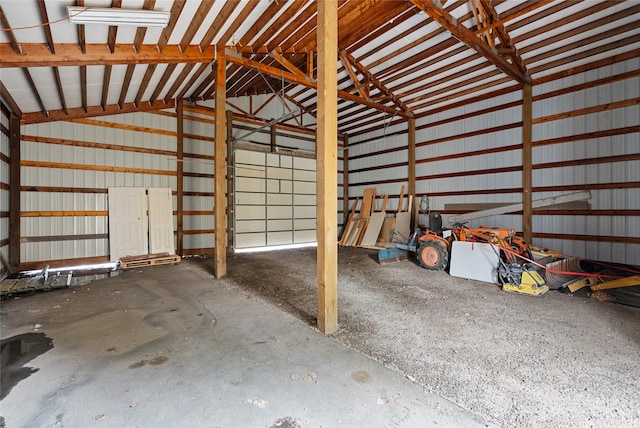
(275, 200)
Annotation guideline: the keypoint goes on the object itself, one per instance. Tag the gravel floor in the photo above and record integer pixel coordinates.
(557, 360)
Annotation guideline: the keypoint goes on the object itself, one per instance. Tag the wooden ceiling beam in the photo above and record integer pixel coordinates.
(92, 111)
(373, 80)
(262, 21)
(305, 23)
(268, 33)
(435, 10)
(38, 55)
(176, 10)
(144, 84)
(194, 78)
(182, 77)
(240, 19)
(52, 48)
(463, 93)
(363, 89)
(287, 64)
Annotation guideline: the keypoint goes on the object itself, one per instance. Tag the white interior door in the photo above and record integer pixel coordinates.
(161, 237)
(127, 222)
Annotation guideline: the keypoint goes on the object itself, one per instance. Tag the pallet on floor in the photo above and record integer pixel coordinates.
(131, 262)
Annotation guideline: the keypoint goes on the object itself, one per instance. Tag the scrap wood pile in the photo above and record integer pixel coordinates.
(369, 228)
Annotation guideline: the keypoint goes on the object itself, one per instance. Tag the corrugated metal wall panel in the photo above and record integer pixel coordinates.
(487, 135)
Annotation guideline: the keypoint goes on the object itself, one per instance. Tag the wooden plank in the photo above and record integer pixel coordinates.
(401, 199)
(518, 207)
(370, 236)
(386, 232)
(349, 224)
(220, 166)
(465, 208)
(327, 165)
(367, 201)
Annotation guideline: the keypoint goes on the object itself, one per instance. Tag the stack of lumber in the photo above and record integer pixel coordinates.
(373, 229)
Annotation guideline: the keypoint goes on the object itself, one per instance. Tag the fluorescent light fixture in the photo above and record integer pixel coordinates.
(116, 17)
(275, 248)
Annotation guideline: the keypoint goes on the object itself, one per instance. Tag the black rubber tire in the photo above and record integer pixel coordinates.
(433, 255)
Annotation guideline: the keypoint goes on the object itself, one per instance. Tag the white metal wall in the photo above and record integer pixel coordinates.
(465, 153)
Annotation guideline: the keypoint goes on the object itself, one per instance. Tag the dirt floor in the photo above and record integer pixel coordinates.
(557, 360)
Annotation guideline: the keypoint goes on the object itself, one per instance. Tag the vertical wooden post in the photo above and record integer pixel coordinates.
(220, 200)
(411, 173)
(230, 182)
(527, 159)
(327, 163)
(14, 192)
(180, 177)
(274, 144)
(345, 182)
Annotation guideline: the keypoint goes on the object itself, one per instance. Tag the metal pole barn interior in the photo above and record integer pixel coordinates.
(258, 125)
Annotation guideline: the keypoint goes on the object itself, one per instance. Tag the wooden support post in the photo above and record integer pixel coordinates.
(527, 159)
(220, 200)
(327, 162)
(345, 182)
(180, 177)
(274, 145)
(230, 181)
(14, 192)
(411, 173)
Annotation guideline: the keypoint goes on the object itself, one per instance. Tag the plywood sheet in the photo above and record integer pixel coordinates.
(403, 224)
(373, 229)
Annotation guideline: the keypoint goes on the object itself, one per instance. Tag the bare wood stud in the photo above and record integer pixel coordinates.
(327, 161)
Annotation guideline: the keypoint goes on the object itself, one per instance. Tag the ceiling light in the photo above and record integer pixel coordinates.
(114, 16)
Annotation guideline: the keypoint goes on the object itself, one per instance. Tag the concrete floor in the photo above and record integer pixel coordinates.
(172, 346)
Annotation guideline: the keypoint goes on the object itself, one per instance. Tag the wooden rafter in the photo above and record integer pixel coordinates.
(194, 78)
(287, 64)
(268, 33)
(440, 15)
(182, 77)
(261, 22)
(277, 72)
(362, 87)
(13, 42)
(373, 80)
(52, 48)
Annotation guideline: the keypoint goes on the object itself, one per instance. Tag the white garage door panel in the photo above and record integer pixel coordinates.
(250, 184)
(251, 226)
(281, 173)
(305, 212)
(273, 209)
(248, 157)
(247, 212)
(302, 236)
(304, 200)
(248, 240)
(250, 198)
(279, 225)
(250, 171)
(280, 238)
(304, 187)
(279, 199)
(302, 224)
(304, 163)
(301, 175)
